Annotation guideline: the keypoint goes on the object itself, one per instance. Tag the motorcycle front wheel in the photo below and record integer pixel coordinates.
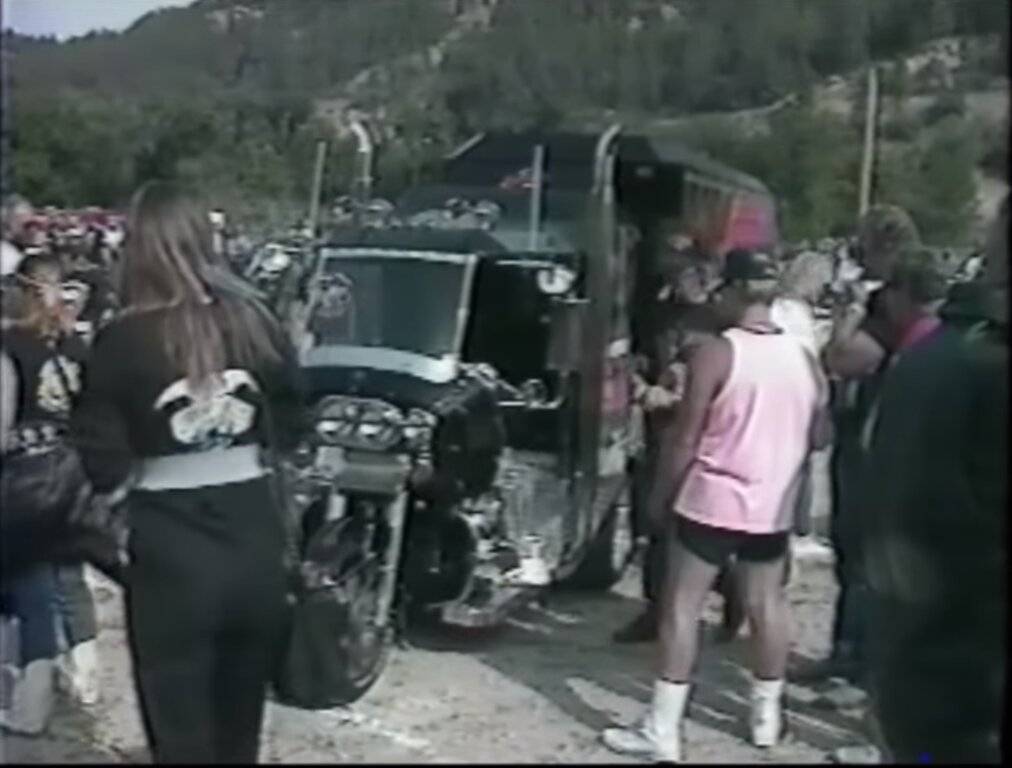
(337, 646)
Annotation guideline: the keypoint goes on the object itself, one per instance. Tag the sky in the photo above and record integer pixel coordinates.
(70, 18)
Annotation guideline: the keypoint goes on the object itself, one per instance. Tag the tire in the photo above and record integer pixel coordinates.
(365, 658)
(335, 652)
(609, 554)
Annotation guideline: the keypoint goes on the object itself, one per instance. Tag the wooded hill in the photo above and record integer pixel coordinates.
(232, 96)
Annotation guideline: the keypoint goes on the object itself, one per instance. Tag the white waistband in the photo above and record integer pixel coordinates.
(197, 470)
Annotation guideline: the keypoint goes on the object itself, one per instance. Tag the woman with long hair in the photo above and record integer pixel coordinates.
(52, 358)
(185, 389)
(46, 362)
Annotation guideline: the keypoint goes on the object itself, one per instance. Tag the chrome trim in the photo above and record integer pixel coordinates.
(364, 152)
(534, 220)
(503, 601)
(602, 175)
(432, 369)
(345, 252)
(467, 145)
(619, 348)
(531, 263)
(396, 513)
(464, 306)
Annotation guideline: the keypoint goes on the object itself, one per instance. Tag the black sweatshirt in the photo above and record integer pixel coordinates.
(136, 404)
(45, 370)
(935, 534)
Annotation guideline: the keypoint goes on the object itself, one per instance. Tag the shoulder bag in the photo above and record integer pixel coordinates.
(311, 669)
(42, 484)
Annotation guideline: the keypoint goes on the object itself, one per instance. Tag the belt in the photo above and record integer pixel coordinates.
(197, 470)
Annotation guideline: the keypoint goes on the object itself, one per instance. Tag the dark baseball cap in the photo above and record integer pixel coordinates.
(741, 265)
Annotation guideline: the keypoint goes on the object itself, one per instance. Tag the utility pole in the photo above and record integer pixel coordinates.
(868, 157)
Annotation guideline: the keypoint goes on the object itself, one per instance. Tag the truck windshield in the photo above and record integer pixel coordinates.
(408, 302)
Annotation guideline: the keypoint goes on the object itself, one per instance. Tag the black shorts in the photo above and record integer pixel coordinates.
(717, 545)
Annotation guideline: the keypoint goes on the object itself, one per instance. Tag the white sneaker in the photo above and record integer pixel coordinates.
(77, 673)
(862, 754)
(64, 673)
(766, 718)
(657, 736)
(31, 700)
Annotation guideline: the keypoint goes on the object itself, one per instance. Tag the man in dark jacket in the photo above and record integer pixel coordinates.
(859, 346)
(934, 537)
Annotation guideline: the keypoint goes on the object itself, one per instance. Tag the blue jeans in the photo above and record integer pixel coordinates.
(31, 597)
(74, 605)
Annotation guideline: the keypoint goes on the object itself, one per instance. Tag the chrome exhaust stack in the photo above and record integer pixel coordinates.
(362, 183)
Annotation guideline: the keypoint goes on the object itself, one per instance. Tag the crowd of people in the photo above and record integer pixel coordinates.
(874, 349)
(202, 567)
(908, 382)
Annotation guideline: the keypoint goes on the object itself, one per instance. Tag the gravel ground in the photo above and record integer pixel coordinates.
(536, 690)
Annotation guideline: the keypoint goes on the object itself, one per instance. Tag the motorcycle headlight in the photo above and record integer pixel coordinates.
(418, 438)
(418, 417)
(369, 425)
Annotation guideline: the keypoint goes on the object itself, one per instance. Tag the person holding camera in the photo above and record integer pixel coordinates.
(855, 356)
(680, 322)
(938, 506)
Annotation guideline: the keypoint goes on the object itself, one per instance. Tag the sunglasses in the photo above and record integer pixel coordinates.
(69, 290)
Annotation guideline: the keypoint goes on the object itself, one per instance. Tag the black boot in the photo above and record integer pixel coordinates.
(843, 664)
(642, 629)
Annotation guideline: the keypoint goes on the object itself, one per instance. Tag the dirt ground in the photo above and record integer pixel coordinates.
(537, 690)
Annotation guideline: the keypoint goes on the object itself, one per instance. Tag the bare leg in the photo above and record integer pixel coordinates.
(687, 581)
(769, 617)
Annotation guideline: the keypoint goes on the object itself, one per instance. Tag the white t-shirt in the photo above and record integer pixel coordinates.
(10, 258)
(797, 319)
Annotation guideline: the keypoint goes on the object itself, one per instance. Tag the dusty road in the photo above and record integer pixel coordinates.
(537, 690)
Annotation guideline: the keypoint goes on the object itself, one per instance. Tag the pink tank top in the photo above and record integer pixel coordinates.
(755, 437)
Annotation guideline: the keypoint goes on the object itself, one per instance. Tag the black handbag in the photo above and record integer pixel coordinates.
(311, 670)
(41, 488)
(49, 510)
(96, 532)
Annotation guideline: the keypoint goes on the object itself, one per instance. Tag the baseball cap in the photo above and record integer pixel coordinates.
(741, 265)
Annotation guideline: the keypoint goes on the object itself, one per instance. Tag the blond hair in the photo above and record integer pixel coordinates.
(806, 276)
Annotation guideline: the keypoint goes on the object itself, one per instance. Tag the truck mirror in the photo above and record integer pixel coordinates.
(565, 342)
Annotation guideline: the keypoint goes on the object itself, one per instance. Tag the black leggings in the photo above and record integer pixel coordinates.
(205, 608)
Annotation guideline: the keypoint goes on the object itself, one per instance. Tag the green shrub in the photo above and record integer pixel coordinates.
(946, 104)
(900, 128)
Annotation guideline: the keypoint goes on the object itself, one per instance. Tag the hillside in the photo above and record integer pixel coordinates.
(233, 95)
